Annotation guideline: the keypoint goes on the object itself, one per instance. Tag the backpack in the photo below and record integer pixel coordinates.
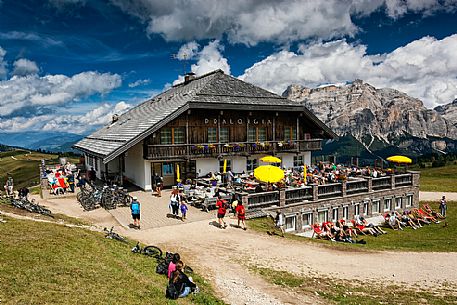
(171, 292)
(241, 211)
(162, 267)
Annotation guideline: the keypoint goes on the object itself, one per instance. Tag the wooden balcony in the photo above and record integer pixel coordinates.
(205, 150)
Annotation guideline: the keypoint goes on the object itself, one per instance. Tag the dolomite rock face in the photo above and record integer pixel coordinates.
(382, 114)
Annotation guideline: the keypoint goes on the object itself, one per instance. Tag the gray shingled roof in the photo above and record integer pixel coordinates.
(139, 122)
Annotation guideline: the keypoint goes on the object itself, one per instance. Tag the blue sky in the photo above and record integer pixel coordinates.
(70, 64)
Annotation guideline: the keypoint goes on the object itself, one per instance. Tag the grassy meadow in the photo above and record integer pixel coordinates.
(440, 237)
(438, 179)
(46, 263)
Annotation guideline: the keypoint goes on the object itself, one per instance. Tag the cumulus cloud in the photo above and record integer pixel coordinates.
(75, 123)
(425, 68)
(24, 67)
(33, 90)
(252, 21)
(209, 59)
(3, 70)
(140, 82)
(188, 50)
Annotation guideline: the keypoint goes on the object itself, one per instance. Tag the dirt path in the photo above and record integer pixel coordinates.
(223, 256)
(435, 196)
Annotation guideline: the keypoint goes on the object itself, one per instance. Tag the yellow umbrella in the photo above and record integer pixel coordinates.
(400, 159)
(225, 166)
(270, 159)
(269, 173)
(178, 174)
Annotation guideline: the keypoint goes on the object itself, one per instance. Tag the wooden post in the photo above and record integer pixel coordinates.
(282, 198)
(187, 135)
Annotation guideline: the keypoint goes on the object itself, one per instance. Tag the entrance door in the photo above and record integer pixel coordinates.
(168, 172)
(155, 168)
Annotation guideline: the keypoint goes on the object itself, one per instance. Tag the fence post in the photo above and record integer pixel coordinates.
(370, 184)
(315, 192)
(343, 188)
(282, 197)
(245, 201)
(392, 181)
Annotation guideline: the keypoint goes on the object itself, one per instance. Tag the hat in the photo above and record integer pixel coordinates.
(135, 198)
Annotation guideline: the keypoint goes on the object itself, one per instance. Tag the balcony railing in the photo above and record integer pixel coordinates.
(359, 186)
(208, 149)
(403, 180)
(299, 194)
(262, 200)
(330, 190)
(382, 183)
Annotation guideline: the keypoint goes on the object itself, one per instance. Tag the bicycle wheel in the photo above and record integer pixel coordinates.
(153, 251)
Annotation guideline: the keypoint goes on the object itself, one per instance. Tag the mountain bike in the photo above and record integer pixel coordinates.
(113, 235)
(151, 251)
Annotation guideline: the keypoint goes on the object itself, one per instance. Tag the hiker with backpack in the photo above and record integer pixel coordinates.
(175, 199)
(221, 206)
(241, 213)
(135, 208)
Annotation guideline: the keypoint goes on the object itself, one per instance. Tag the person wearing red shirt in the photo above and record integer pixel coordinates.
(221, 210)
(241, 212)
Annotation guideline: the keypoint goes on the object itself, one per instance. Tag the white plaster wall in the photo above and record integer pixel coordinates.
(238, 164)
(147, 176)
(307, 157)
(204, 166)
(287, 160)
(135, 165)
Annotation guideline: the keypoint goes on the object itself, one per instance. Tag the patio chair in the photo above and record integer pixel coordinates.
(320, 234)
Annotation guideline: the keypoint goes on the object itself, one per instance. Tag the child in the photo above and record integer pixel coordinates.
(241, 211)
(184, 209)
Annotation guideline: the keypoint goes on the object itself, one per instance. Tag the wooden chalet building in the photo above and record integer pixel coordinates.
(197, 125)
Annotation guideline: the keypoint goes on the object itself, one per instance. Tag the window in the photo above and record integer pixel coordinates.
(96, 163)
(290, 134)
(298, 161)
(165, 136)
(224, 135)
(262, 134)
(322, 216)
(345, 212)
(398, 203)
(167, 169)
(179, 135)
(356, 209)
(221, 165)
(252, 135)
(290, 223)
(375, 207)
(307, 219)
(365, 208)
(409, 200)
(387, 204)
(251, 164)
(90, 160)
(212, 135)
(335, 214)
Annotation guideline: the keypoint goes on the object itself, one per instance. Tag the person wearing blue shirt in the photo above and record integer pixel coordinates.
(135, 208)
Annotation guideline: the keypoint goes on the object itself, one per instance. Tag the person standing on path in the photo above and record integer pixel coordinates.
(158, 184)
(9, 186)
(174, 202)
(135, 208)
(241, 212)
(443, 206)
(183, 209)
(221, 210)
(279, 224)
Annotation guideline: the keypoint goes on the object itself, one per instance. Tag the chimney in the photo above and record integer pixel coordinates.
(115, 118)
(189, 77)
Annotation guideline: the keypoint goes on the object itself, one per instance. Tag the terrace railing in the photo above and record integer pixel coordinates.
(358, 186)
(403, 180)
(263, 200)
(382, 183)
(163, 151)
(299, 194)
(330, 190)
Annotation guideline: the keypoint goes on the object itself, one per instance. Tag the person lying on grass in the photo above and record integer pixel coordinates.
(405, 220)
(392, 221)
(419, 221)
(428, 210)
(364, 229)
(360, 220)
(351, 232)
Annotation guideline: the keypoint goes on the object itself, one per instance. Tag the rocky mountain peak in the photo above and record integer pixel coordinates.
(371, 114)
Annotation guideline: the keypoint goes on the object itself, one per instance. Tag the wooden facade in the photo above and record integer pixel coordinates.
(203, 133)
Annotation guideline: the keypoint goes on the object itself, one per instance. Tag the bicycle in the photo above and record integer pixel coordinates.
(151, 251)
(113, 235)
(30, 206)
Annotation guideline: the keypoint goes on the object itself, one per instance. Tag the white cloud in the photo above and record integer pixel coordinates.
(24, 66)
(188, 50)
(73, 123)
(208, 59)
(253, 21)
(35, 91)
(3, 70)
(140, 82)
(425, 68)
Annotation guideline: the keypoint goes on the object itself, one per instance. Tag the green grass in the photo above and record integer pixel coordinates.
(430, 238)
(44, 263)
(24, 168)
(366, 292)
(438, 179)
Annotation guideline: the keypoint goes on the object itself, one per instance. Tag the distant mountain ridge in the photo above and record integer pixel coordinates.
(49, 141)
(379, 118)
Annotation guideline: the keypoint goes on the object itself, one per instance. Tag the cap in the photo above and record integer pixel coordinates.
(135, 198)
